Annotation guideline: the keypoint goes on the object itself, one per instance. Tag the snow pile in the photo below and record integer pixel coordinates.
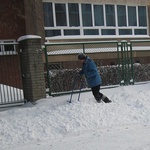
(54, 118)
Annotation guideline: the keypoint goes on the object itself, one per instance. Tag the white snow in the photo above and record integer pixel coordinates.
(97, 37)
(25, 37)
(55, 124)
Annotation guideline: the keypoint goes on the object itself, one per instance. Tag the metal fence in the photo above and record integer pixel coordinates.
(62, 65)
(11, 92)
(125, 63)
(141, 48)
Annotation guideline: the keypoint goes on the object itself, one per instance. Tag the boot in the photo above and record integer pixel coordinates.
(98, 100)
(106, 99)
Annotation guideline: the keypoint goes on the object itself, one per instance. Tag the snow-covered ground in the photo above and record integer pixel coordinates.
(55, 124)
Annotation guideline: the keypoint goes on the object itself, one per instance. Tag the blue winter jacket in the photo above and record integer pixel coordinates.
(90, 71)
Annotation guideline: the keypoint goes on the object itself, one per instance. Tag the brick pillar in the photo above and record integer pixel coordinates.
(32, 67)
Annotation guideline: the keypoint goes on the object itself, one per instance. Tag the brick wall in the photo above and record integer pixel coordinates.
(21, 17)
(12, 19)
(32, 69)
(10, 71)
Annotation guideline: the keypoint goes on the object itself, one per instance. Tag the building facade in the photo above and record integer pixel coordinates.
(96, 19)
(75, 21)
(67, 20)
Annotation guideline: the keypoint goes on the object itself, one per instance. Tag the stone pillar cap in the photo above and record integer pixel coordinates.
(25, 37)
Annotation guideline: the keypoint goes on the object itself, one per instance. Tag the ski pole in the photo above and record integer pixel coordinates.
(73, 86)
(79, 94)
(81, 85)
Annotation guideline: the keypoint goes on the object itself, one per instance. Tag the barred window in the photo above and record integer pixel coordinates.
(7, 47)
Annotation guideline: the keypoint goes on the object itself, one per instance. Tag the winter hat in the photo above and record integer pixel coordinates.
(81, 56)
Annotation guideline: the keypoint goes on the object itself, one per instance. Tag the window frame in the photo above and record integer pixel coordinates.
(82, 28)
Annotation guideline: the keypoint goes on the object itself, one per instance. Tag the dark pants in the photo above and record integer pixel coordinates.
(99, 96)
(96, 93)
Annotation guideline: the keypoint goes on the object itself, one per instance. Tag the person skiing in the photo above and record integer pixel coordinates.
(92, 76)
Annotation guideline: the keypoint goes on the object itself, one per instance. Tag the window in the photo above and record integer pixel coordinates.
(110, 15)
(121, 14)
(132, 16)
(125, 31)
(108, 32)
(60, 10)
(48, 15)
(98, 15)
(140, 31)
(142, 16)
(91, 32)
(73, 14)
(85, 19)
(71, 32)
(7, 47)
(50, 33)
(86, 15)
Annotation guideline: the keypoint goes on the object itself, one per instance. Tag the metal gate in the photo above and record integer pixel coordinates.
(125, 63)
(11, 90)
